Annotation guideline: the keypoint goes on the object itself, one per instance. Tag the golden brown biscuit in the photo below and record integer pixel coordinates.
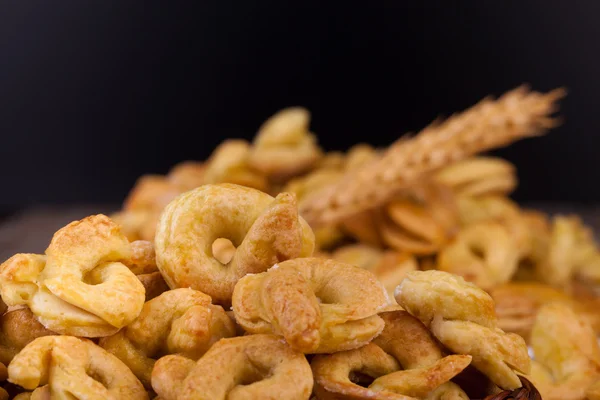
(484, 253)
(18, 328)
(283, 146)
(404, 362)
(318, 306)
(461, 316)
(566, 351)
(80, 287)
(421, 222)
(264, 230)
(229, 163)
(517, 305)
(180, 321)
(67, 367)
(242, 368)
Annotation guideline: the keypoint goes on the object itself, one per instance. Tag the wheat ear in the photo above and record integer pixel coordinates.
(489, 124)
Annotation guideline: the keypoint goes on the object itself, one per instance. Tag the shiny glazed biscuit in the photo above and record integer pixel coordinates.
(264, 230)
(67, 367)
(241, 368)
(180, 321)
(79, 287)
(461, 316)
(317, 305)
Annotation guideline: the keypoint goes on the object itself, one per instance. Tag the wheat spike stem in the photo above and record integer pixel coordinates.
(487, 125)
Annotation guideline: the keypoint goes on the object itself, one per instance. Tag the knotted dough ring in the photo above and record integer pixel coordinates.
(241, 368)
(79, 288)
(483, 253)
(317, 305)
(405, 361)
(420, 222)
(180, 321)
(73, 369)
(461, 316)
(264, 230)
(284, 146)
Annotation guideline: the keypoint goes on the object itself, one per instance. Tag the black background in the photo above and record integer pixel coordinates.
(95, 93)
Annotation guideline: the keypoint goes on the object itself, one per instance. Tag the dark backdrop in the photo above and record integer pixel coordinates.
(95, 93)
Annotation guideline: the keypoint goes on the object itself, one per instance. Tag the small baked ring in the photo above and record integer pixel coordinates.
(317, 305)
(483, 253)
(241, 368)
(420, 222)
(566, 353)
(180, 321)
(73, 368)
(264, 230)
(229, 163)
(80, 287)
(283, 146)
(404, 362)
(461, 316)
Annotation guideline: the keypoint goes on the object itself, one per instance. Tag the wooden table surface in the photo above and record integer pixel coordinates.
(30, 231)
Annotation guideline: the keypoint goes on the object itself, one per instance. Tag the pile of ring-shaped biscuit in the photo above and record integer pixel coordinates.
(210, 285)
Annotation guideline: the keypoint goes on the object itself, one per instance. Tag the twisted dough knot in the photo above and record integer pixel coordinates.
(461, 316)
(518, 303)
(241, 368)
(79, 288)
(419, 223)
(264, 230)
(283, 146)
(142, 262)
(18, 328)
(180, 321)
(390, 267)
(405, 361)
(229, 163)
(477, 176)
(484, 253)
(317, 305)
(567, 356)
(73, 369)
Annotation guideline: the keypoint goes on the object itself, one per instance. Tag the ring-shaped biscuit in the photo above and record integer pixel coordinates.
(80, 287)
(242, 368)
(317, 305)
(483, 253)
(264, 230)
(180, 321)
(74, 368)
(462, 317)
